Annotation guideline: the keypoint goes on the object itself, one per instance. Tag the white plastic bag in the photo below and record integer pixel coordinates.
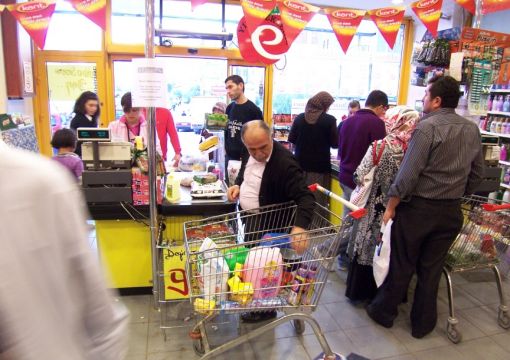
(233, 168)
(213, 271)
(382, 254)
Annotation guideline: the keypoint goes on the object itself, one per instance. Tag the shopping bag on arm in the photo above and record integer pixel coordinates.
(382, 253)
(360, 195)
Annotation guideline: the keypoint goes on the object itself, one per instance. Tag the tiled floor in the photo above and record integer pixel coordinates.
(347, 329)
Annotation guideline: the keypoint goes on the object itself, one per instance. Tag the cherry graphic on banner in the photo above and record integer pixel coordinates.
(429, 12)
(267, 44)
(490, 6)
(35, 17)
(469, 5)
(345, 22)
(295, 16)
(94, 10)
(388, 21)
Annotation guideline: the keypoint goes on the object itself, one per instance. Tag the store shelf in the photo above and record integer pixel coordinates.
(500, 91)
(498, 113)
(507, 163)
(506, 186)
(507, 136)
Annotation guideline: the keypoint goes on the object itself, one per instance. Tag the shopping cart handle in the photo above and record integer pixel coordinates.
(494, 207)
(313, 187)
(358, 214)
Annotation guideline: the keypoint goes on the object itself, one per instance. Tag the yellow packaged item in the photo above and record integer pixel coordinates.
(209, 143)
(204, 306)
(242, 292)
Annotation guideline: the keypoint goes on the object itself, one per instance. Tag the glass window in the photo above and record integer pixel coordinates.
(315, 62)
(71, 31)
(194, 86)
(253, 77)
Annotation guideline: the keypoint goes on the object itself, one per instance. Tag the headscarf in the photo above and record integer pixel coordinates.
(398, 138)
(220, 106)
(316, 105)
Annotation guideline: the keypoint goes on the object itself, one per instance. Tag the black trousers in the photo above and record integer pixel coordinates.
(422, 232)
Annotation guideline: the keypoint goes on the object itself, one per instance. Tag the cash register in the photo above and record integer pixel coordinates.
(107, 175)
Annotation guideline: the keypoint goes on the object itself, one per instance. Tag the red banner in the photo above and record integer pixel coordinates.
(345, 22)
(35, 18)
(94, 10)
(196, 3)
(388, 21)
(266, 44)
(469, 5)
(490, 6)
(429, 12)
(295, 15)
(256, 11)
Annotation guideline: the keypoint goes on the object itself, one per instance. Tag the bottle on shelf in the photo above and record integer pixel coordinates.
(503, 153)
(506, 127)
(506, 104)
(488, 122)
(481, 122)
(499, 103)
(494, 125)
(489, 103)
(506, 196)
(499, 126)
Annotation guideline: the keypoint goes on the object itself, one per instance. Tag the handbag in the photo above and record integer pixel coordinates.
(360, 195)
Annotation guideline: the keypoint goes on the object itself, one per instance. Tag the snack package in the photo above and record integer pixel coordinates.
(242, 292)
(195, 234)
(264, 269)
(204, 306)
(217, 230)
(213, 271)
(208, 178)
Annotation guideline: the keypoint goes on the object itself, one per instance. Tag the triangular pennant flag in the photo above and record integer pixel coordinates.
(490, 6)
(388, 21)
(2, 7)
(94, 10)
(196, 3)
(256, 11)
(295, 16)
(35, 17)
(469, 5)
(345, 22)
(429, 12)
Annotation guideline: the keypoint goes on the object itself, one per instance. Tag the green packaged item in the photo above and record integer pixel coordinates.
(236, 255)
(208, 178)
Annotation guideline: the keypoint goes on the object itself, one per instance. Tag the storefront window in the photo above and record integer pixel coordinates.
(253, 77)
(315, 62)
(71, 31)
(194, 86)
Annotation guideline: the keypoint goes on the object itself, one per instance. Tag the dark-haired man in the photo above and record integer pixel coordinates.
(443, 163)
(239, 111)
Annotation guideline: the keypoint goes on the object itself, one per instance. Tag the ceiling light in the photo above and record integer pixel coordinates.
(397, 2)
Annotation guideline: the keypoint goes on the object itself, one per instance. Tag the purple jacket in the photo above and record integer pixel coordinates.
(72, 162)
(356, 135)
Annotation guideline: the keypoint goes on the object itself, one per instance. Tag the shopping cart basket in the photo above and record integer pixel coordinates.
(483, 241)
(245, 262)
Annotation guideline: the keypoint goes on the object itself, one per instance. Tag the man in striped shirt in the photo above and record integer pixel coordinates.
(443, 163)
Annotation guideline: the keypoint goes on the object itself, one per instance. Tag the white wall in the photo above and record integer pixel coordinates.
(498, 21)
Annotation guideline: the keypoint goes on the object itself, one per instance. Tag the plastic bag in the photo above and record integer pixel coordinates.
(382, 254)
(213, 271)
(233, 168)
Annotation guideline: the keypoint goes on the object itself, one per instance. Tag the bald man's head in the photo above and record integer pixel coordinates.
(256, 137)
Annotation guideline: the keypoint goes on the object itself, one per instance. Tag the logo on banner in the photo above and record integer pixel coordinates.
(345, 14)
(297, 6)
(426, 3)
(386, 12)
(32, 6)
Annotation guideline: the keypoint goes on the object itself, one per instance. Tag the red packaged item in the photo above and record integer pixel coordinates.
(216, 230)
(195, 234)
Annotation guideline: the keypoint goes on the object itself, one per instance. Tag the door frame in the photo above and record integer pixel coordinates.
(41, 100)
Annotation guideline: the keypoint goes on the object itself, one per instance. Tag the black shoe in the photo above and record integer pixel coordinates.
(254, 317)
(420, 334)
(378, 318)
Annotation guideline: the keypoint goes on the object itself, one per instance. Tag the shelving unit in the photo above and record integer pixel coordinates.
(506, 186)
(501, 113)
(506, 136)
(506, 163)
(500, 91)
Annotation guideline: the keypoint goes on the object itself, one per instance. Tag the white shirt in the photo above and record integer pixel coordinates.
(54, 303)
(250, 188)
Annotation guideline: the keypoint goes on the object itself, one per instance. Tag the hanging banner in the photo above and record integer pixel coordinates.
(429, 12)
(196, 3)
(295, 16)
(256, 11)
(469, 5)
(388, 21)
(94, 10)
(2, 7)
(267, 44)
(35, 17)
(345, 22)
(490, 6)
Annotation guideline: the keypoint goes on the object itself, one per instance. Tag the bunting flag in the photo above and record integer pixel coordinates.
(35, 18)
(469, 5)
(490, 6)
(2, 7)
(256, 11)
(388, 21)
(197, 3)
(295, 16)
(429, 12)
(345, 22)
(94, 10)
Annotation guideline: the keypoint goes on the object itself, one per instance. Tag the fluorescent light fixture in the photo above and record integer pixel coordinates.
(183, 34)
(397, 2)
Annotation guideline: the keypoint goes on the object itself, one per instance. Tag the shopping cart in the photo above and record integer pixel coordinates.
(245, 262)
(482, 243)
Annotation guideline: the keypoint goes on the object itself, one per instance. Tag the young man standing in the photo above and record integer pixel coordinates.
(239, 111)
(444, 162)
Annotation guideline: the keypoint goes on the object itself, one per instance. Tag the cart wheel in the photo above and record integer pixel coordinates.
(198, 346)
(299, 326)
(503, 319)
(453, 334)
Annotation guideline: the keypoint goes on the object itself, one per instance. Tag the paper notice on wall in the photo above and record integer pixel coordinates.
(28, 78)
(455, 69)
(149, 88)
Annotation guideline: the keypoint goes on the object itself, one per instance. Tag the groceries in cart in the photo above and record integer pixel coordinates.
(242, 292)
(214, 272)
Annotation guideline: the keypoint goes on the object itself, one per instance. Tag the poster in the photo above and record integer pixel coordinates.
(345, 22)
(429, 12)
(469, 5)
(34, 17)
(149, 87)
(94, 10)
(485, 37)
(69, 80)
(174, 268)
(256, 11)
(490, 6)
(295, 16)
(388, 21)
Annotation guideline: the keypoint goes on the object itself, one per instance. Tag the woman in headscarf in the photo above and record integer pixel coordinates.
(400, 123)
(314, 133)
